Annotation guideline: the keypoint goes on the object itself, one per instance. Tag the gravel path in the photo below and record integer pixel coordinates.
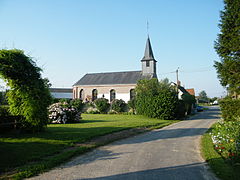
(171, 153)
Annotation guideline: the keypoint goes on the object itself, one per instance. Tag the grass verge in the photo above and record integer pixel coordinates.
(219, 166)
(26, 155)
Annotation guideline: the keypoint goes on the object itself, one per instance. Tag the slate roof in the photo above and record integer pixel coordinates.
(148, 54)
(128, 77)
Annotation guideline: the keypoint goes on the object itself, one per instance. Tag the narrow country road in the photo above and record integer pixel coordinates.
(169, 153)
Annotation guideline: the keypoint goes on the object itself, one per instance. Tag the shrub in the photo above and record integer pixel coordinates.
(118, 105)
(77, 103)
(132, 105)
(156, 99)
(226, 139)
(102, 105)
(63, 113)
(180, 110)
(189, 100)
(230, 109)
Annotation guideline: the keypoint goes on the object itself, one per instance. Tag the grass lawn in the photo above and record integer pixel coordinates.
(221, 168)
(30, 154)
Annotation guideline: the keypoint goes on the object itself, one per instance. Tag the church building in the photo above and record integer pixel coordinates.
(115, 85)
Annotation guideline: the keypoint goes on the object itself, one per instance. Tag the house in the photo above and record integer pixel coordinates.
(115, 85)
(61, 93)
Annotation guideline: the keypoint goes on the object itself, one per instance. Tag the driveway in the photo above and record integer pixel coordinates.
(170, 153)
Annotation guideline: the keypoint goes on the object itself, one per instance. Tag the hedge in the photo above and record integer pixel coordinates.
(230, 109)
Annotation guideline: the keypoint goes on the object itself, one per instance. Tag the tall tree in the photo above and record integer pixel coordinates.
(203, 96)
(227, 46)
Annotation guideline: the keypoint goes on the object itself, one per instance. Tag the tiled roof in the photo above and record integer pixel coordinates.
(191, 91)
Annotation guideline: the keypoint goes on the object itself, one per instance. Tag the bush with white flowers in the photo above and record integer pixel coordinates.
(226, 139)
(63, 112)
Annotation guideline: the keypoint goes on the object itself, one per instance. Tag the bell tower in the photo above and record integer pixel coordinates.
(148, 61)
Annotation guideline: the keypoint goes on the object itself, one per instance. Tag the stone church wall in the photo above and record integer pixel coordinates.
(122, 91)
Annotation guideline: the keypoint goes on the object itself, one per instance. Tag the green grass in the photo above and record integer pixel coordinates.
(29, 154)
(220, 167)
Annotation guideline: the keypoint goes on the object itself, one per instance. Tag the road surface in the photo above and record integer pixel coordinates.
(170, 153)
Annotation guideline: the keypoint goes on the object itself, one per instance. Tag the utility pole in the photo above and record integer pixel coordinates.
(177, 75)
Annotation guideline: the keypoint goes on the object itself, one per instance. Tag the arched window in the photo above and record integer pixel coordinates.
(112, 95)
(132, 94)
(81, 94)
(94, 94)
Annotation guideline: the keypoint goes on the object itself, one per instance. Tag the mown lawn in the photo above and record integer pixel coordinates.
(219, 166)
(29, 154)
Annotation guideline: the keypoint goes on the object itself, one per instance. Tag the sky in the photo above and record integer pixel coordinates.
(69, 38)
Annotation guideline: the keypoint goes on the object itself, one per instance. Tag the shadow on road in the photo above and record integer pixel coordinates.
(187, 172)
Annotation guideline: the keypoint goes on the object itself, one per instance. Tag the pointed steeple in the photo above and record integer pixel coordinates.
(148, 61)
(148, 54)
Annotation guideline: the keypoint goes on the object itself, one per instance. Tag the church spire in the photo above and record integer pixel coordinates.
(148, 61)
(148, 54)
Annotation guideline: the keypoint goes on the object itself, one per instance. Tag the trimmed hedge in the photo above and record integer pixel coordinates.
(230, 109)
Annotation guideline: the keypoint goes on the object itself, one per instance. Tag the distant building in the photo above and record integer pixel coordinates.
(191, 91)
(115, 85)
(61, 93)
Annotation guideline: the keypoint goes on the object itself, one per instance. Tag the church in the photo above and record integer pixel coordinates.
(115, 85)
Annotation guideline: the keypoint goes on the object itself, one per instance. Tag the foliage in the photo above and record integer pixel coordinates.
(28, 96)
(63, 113)
(77, 103)
(189, 100)
(180, 110)
(118, 105)
(4, 111)
(227, 46)
(203, 96)
(41, 147)
(226, 139)
(156, 99)
(132, 105)
(218, 165)
(230, 109)
(102, 105)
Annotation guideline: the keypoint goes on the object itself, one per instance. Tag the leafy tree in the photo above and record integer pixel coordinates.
(227, 46)
(28, 96)
(203, 96)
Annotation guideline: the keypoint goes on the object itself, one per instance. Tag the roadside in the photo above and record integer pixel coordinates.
(172, 152)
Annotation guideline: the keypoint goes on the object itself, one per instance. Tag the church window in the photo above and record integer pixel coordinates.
(81, 94)
(132, 94)
(94, 94)
(112, 95)
(147, 63)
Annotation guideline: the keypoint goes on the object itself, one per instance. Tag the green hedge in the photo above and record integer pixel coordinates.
(230, 109)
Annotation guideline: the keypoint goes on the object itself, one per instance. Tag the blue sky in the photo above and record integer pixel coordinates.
(69, 38)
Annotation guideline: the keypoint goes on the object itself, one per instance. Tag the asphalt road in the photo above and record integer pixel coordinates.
(170, 153)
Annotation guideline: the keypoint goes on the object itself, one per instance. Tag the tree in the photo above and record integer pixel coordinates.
(156, 99)
(227, 46)
(28, 96)
(203, 96)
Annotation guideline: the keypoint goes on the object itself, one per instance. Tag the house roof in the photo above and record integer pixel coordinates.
(128, 77)
(61, 90)
(191, 91)
(148, 54)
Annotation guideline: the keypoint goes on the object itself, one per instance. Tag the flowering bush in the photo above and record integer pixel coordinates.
(63, 112)
(226, 139)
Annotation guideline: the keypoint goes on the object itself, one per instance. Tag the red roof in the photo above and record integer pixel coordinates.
(191, 91)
